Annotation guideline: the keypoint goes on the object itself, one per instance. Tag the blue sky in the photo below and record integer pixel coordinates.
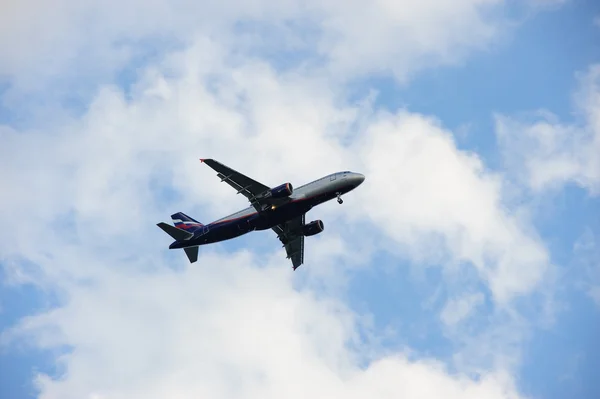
(115, 147)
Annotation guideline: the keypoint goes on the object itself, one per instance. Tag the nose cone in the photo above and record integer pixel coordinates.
(357, 179)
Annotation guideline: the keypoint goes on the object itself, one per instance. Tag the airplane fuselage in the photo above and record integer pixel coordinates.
(298, 203)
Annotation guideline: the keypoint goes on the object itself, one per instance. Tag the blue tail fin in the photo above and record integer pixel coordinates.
(183, 221)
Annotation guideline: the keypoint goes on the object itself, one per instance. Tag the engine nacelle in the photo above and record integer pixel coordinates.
(285, 190)
(313, 228)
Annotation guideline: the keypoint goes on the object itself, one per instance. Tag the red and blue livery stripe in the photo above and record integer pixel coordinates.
(183, 221)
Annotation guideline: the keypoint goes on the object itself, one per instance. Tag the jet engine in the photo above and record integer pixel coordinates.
(285, 190)
(313, 228)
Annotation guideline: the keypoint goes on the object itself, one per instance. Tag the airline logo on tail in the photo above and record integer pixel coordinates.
(183, 221)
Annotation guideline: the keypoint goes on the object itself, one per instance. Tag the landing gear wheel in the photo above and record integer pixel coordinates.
(339, 199)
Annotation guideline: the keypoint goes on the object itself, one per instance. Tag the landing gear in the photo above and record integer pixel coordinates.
(339, 198)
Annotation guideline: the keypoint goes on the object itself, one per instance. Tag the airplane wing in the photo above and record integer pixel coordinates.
(244, 185)
(290, 235)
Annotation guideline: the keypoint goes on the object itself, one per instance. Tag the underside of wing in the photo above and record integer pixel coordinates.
(291, 236)
(243, 184)
(256, 192)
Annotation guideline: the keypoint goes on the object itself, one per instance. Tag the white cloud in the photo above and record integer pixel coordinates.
(548, 154)
(427, 196)
(91, 188)
(404, 36)
(457, 309)
(223, 328)
(75, 41)
(442, 206)
(95, 241)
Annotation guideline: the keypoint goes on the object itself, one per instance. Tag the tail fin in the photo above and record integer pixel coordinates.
(180, 235)
(183, 221)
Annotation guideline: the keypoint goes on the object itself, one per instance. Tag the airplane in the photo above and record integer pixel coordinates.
(282, 209)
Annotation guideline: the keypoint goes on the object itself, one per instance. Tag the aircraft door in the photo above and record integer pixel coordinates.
(204, 230)
(332, 177)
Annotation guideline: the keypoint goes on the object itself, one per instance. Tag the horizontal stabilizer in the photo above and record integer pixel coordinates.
(174, 232)
(192, 253)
